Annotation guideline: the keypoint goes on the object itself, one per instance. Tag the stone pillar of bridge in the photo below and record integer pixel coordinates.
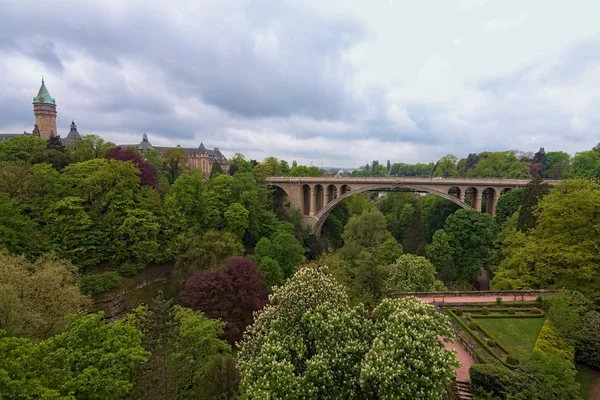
(494, 205)
(489, 207)
(461, 197)
(313, 201)
(478, 198)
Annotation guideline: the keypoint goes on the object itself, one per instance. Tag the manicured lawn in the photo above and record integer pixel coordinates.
(517, 334)
(584, 377)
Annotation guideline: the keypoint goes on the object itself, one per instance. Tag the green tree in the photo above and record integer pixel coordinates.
(560, 251)
(236, 219)
(239, 164)
(188, 195)
(440, 253)
(558, 164)
(471, 236)
(588, 349)
(207, 252)
(71, 231)
(175, 161)
(283, 248)
(388, 251)
(137, 239)
(272, 272)
(368, 229)
(270, 166)
(411, 273)
(585, 164)
(414, 238)
(82, 362)
(215, 169)
(17, 232)
(182, 342)
(435, 210)
(54, 154)
(155, 158)
(518, 170)
(11, 310)
(446, 166)
(48, 291)
(21, 148)
(88, 147)
(532, 193)
(508, 204)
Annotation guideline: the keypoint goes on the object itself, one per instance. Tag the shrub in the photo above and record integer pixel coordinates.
(272, 272)
(511, 311)
(458, 312)
(219, 379)
(483, 357)
(491, 343)
(473, 325)
(100, 283)
(127, 269)
(535, 311)
(588, 349)
(550, 342)
(511, 360)
(498, 300)
(485, 311)
(495, 380)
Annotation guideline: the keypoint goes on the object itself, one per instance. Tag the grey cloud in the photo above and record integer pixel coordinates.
(308, 78)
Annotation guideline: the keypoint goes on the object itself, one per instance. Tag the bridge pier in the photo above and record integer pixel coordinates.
(313, 202)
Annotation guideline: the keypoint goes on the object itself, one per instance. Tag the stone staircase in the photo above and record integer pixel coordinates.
(463, 391)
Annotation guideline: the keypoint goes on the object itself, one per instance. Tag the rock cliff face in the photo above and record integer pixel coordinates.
(141, 289)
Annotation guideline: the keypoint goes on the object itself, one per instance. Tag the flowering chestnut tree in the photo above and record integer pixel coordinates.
(310, 343)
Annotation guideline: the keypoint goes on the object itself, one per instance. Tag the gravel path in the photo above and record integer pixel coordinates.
(594, 393)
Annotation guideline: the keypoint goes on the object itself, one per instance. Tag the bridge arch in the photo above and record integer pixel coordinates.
(321, 216)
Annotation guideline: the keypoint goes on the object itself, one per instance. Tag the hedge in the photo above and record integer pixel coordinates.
(127, 269)
(549, 342)
(495, 380)
(588, 349)
(512, 360)
(478, 340)
(523, 310)
(99, 283)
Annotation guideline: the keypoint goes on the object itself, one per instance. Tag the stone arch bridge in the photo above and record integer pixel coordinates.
(315, 197)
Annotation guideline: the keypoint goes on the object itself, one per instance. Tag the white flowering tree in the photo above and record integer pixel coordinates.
(309, 343)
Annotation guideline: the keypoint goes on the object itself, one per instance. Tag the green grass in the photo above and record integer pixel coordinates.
(518, 335)
(584, 377)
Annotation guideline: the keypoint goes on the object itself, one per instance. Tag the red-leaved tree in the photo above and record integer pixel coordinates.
(231, 292)
(147, 170)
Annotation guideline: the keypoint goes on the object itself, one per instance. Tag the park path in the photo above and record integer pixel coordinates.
(473, 299)
(594, 393)
(465, 359)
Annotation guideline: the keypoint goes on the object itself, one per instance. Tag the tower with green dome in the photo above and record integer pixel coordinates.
(44, 109)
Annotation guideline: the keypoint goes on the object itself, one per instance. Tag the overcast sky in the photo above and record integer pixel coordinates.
(332, 82)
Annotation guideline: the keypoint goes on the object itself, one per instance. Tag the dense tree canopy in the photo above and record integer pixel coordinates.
(560, 250)
(309, 343)
(37, 296)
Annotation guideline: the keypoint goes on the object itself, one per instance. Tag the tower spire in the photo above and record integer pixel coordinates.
(44, 110)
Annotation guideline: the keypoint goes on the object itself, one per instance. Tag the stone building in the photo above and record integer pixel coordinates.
(44, 111)
(198, 157)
